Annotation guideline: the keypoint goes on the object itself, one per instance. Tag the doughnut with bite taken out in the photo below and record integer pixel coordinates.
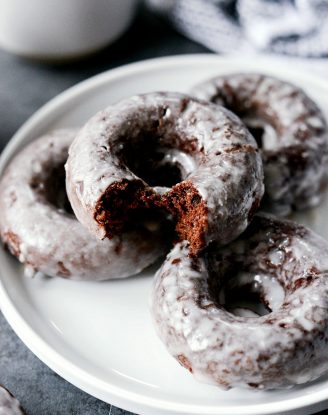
(165, 152)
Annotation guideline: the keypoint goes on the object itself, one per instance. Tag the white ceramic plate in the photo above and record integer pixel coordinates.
(99, 336)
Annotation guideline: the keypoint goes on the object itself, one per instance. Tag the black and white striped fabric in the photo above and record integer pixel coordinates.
(292, 27)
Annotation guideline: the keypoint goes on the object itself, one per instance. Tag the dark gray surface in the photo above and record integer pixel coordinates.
(25, 87)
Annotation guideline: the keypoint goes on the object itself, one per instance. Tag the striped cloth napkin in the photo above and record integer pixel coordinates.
(297, 28)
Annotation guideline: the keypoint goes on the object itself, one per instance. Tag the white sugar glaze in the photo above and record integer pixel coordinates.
(285, 347)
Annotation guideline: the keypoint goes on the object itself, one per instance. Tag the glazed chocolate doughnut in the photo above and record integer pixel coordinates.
(39, 228)
(9, 405)
(168, 151)
(199, 307)
(291, 132)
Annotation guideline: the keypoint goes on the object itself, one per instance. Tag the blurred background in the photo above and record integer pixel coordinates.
(47, 46)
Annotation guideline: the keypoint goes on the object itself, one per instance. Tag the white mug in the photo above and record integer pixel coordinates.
(62, 29)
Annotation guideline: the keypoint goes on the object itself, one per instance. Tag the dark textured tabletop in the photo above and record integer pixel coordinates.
(25, 87)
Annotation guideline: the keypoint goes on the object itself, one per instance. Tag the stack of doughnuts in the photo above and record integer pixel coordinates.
(242, 297)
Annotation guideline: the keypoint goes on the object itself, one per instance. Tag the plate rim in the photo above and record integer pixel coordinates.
(48, 355)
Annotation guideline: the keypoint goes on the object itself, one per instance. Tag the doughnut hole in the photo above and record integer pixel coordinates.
(241, 285)
(251, 295)
(261, 122)
(51, 187)
(157, 165)
(190, 212)
(257, 133)
(264, 132)
(263, 128)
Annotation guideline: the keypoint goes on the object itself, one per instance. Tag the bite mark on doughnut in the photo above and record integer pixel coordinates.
(126, 204)
(121, 203)
(190, 211)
